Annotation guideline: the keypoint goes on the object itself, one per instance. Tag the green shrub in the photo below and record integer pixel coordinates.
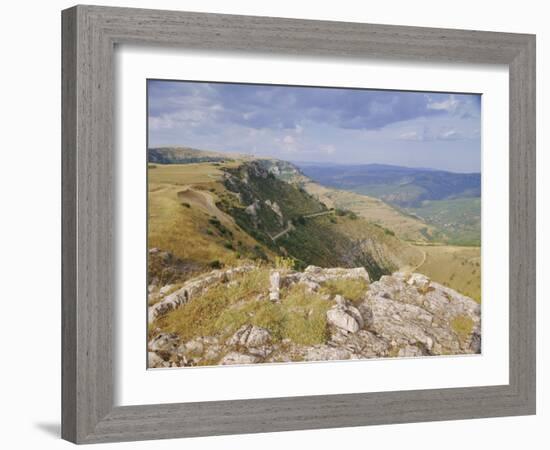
(282, 262)
(216, 264)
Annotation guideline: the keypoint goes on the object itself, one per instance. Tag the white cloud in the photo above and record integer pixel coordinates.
(288, 140)
(410, 136)
(449, 135)
(450, 105)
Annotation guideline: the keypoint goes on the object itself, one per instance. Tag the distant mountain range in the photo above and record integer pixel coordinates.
(400, 186)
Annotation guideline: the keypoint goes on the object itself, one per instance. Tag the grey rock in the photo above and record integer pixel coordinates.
(274, 286)
(164, 342)
(193, 288)
(340, 301)
(409, 351)
(250, 336)
(326, 353)
(420, 281)
(195, 347)
(154, 361)
(234, 358)
(347, 318)
(165, 289)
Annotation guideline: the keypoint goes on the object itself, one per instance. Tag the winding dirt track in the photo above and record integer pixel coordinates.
(203, 200)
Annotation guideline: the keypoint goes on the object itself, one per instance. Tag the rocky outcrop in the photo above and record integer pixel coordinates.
(411, 309)
(402, 315)
(313, 277)
(252, 209)
(276, 209)
(194, 287)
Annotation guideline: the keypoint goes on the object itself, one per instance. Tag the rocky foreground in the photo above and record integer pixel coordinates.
(402, 315)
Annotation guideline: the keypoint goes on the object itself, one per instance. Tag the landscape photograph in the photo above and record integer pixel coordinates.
(290, 224)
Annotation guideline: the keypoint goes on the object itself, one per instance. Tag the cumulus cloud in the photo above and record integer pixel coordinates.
(318, 123)
(281, 107)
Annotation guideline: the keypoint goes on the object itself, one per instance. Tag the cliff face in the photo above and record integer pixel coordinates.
(317, 314)
(292, 222)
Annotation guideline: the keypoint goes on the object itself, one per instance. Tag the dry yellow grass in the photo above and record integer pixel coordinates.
(456, 267)
(184, 226)
(462, 326)
(299, 316)
(182, 174)
(352, 290)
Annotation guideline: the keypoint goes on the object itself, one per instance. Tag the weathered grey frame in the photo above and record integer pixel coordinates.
(89, 36)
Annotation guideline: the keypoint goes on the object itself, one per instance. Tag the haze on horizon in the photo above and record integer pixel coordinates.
(324, 125)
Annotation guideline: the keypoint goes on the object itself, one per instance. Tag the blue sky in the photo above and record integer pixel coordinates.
(347, 126)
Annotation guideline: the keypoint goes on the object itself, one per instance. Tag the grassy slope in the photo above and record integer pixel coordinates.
(405, 226)
(190, 231)
(456, 267)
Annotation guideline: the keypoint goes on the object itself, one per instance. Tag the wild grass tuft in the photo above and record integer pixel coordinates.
(200, 316)
(300, 316)
(462, 326)
(352, 290)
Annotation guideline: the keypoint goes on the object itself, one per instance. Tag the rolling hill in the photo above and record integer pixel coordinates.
(400, 186)
(448, 202)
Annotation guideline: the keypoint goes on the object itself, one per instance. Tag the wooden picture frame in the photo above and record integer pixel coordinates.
(90, 34)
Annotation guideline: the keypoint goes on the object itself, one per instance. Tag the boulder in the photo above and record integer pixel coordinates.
(345, 317)
(250, 336)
